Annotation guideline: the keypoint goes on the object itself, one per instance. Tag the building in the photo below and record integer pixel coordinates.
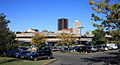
(77, 27)
(62, 24)
(71, 30)
(32, 30)
(50, 37)
(65, 31)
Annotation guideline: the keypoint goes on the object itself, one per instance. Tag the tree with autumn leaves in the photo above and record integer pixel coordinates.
(38, 40)
(108, 17)
(66, 39)
(108, 13)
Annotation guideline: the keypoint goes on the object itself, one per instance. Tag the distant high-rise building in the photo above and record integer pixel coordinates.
(62, 24)
(77, 27)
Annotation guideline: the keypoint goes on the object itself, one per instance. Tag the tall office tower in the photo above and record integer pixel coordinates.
(62, 24)
(77, 27)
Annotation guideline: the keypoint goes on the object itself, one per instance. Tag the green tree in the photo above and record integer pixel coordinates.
(115, 35)
(38, 40)
(7, 38)
(108, 13)
(87, 33)
(99, 36)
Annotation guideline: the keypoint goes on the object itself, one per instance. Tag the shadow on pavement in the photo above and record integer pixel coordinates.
(108, 60)
(65, 64)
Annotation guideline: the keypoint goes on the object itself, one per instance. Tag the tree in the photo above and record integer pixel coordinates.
(66, 39)
(7, 38)
(115, 35)
(38, 40)
(87, 33)
(63, 39)
(72, 38)
(108, 14)
(99, 36)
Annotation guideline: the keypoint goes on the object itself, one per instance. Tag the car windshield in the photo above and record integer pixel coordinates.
(104, 46)
(89, 47)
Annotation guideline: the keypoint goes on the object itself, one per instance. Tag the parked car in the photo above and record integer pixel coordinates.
(17, 54)
(64, 49)
(87, 49)
(84, 49)
(22, 54)
(44, 53)
(106, 48)
(93, 48)
(118, 46)
(72, 49)
(11, 53)
(112, 46)
(55, 49)
(102, 48)
(23, 48)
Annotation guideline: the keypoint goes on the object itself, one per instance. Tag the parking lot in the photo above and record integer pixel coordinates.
(73, 55)
(99, 58)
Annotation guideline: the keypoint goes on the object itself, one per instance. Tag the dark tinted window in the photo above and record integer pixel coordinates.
(65, 24)
(60, 24)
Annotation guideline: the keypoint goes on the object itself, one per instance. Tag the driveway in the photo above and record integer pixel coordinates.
(99, 58)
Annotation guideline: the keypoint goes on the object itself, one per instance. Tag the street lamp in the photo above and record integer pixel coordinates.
(80, 30)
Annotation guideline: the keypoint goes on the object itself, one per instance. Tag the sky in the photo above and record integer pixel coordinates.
(43, 14)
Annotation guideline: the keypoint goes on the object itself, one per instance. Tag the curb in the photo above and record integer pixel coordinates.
(52, 60)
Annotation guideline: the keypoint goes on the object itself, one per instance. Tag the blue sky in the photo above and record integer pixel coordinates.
(43, 14)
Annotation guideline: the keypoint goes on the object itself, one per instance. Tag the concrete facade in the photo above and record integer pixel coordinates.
(77, 27)
(50, 37)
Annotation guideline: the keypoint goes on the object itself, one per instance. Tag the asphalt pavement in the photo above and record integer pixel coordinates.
(99, 58)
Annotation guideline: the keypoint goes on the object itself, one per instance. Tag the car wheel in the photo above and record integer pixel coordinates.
(48, 57)
(35, 59)
(52, 57)
(22, 57)
(16, 56)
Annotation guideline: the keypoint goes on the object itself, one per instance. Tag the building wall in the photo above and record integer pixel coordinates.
(76, 27)
(50, 37)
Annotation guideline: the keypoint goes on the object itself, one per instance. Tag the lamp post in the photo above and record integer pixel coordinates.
(80, 28)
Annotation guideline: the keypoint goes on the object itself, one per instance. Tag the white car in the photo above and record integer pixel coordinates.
(112, 46)
(105, 48)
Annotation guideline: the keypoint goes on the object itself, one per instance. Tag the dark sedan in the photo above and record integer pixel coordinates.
(46, 53)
